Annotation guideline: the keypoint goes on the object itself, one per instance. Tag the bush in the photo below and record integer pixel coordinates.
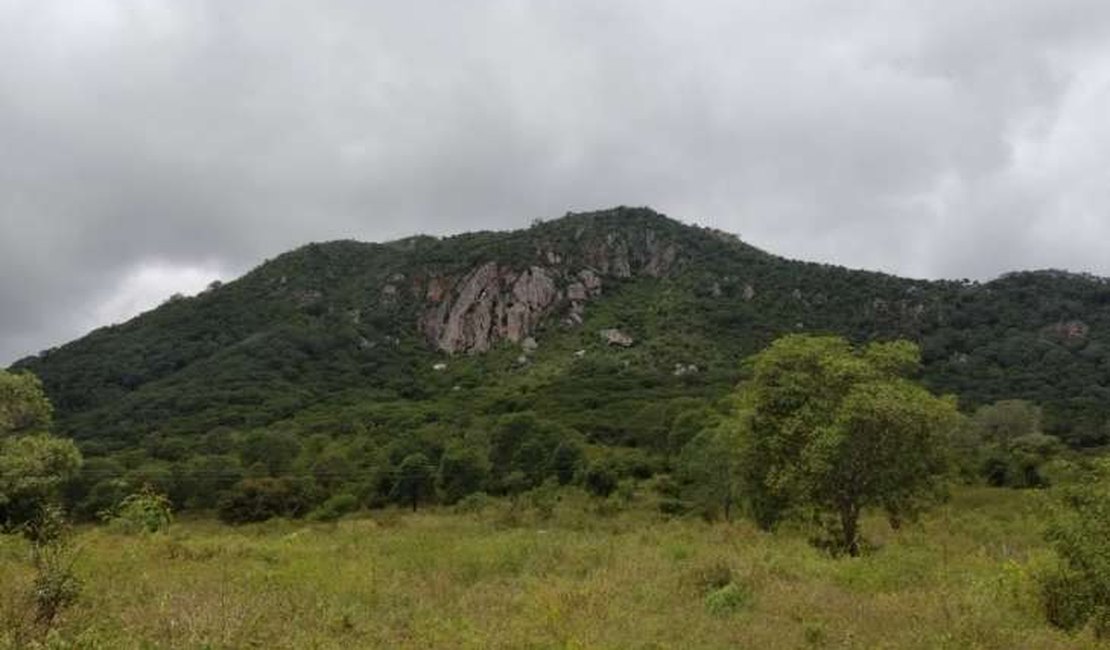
(544, 498)
(728, 599)
(1068, 601)
(145, 511)
(56, 585)
(601, 479)
(474, 503)
(261, 499)
(335, 507)
(1079, 590)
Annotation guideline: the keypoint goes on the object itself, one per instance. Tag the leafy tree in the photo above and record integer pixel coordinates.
(415, 479)
(33, 464)
(463, 470)
(206, 478)
(602, 477)
(834, 430)
(145, 511)
(263, 498)
(1006, 420)
(23, 404)
(276, 450)
(522, 442)
(688, 424)
(1006, 441)
(566, 461)
(710, 469)
(33, 468)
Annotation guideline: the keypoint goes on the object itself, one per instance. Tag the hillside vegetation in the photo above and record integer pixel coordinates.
(595, 345)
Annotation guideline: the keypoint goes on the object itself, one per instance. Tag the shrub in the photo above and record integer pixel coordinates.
(601, 479)
(710, 577)
(544, 498)
(1079, 590)
(335, 507)
(728, 599)
(145, 511)
(261, 499)
(56, 585)
(1067, 599)
(474, 503)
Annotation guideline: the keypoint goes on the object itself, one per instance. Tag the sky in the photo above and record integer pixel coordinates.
(149, 147)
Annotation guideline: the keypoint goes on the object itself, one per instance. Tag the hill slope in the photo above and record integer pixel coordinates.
(429, 339)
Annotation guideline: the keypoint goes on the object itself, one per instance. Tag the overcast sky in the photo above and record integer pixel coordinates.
(148, 147)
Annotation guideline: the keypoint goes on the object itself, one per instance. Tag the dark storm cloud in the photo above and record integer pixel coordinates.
(148, 147)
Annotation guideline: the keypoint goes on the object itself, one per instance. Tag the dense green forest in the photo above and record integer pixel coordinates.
(590, 349)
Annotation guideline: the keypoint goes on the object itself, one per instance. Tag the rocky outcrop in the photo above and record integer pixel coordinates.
(491, 302)
(488, 304)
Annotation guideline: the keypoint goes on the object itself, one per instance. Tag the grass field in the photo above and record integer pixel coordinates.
(962, 578)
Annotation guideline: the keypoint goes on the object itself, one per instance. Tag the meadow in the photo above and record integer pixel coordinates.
(589, 574)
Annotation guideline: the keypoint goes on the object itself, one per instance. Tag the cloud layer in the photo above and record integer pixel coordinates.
(149, 147)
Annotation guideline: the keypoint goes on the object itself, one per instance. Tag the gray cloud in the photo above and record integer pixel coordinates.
(148, 147)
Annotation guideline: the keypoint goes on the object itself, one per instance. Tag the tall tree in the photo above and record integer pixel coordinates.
(415, 479)
(834, 430)
(33, 463)
(23, 404)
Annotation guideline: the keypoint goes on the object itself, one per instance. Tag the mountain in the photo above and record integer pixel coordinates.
(604, 323)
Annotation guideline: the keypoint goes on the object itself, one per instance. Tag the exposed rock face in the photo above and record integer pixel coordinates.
(490, 303)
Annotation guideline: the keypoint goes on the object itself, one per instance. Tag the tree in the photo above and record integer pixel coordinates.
(415, 479)
(1006, 420)
(23, 404)
(1006, 440)
(709, 468)
(834, 430)
(463, 470)
(260, 499)
(33, 468)
(33, 463)
(276, 450)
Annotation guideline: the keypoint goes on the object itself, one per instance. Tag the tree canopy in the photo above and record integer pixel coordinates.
(834, 429)
(33, 463)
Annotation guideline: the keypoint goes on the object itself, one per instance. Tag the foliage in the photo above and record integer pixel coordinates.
(55, 585)
(23, 404)
(463, 470)
(312, 365)
(335, 507)
(601, 478)
(1003, 443)
(1078, 591)
(710, 469)
(259, 499)
(33, 464)
(33, 468)
(728, 599)
(415, 480)
(834, 430)
(145, 511)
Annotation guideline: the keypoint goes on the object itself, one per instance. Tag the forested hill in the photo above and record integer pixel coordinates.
(602, 324)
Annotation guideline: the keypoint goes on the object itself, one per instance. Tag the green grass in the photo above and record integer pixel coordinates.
(962, 578)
